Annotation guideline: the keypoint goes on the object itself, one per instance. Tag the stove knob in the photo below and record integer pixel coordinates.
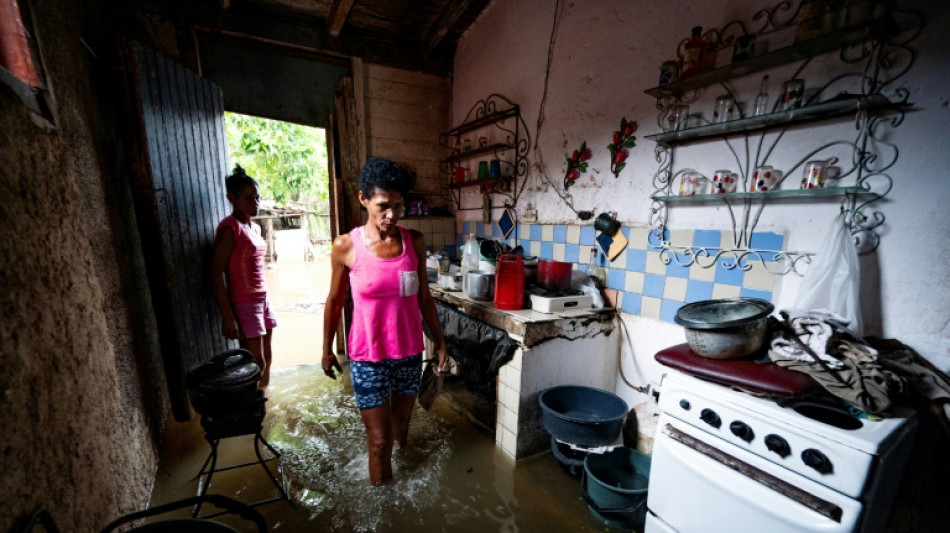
(817, 460)
(710, 417)
(778, 445)
(685, 405)
(742, 430)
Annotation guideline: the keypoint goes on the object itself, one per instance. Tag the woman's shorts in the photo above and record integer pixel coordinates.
(373, 382)
(254, 318)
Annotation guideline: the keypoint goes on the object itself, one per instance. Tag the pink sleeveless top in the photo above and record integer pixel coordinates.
(387, 323)
(246, 264)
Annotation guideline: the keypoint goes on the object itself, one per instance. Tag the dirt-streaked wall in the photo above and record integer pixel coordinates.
(82, 405)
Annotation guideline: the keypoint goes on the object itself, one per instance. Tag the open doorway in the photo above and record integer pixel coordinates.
(290, 162)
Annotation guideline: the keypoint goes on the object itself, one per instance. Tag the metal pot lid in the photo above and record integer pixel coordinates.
(235, 376)
(725, 313)
(233, 368)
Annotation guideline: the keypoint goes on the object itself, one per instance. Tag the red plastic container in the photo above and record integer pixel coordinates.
(509, 282)
(554, 275)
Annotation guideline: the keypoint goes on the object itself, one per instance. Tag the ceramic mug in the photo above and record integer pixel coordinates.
(814, 176)
(764, 179)
(693, 183)
(679, 117)
(724, 181)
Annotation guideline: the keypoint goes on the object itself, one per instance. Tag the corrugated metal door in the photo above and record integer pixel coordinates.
(179, 192)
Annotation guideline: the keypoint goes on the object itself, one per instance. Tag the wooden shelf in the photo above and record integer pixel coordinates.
(872, 29)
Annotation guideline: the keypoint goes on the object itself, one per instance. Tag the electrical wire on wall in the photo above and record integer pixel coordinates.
(538, 157)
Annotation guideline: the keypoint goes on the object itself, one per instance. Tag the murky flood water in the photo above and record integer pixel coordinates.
(450, 477)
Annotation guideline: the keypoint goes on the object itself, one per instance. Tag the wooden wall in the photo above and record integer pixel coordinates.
(405, 112)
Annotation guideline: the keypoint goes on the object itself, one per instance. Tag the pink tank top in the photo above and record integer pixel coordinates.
(387, 323)
(246, 264)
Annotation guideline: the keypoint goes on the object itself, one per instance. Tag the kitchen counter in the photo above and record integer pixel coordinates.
(576, 347)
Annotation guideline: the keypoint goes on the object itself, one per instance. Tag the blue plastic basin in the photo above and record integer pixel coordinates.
(583, 416)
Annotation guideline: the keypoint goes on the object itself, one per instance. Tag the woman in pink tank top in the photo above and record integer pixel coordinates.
(383, 266)
(237, 274)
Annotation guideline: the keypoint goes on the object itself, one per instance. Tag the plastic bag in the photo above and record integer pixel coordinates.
(833, 281)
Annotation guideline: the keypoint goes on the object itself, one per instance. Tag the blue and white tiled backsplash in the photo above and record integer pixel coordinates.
(646, 286)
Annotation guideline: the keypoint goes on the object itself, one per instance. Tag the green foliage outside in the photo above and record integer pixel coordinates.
(289, 161)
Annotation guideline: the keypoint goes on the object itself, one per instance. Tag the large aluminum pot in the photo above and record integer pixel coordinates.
(725, 329)
(480, 285)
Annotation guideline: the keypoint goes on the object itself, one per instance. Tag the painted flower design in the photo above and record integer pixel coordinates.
(623, 140)
(576, 164)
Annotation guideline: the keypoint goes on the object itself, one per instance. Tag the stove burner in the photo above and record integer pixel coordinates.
(538, 290)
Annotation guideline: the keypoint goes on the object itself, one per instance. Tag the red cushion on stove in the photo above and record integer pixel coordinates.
(755, 377)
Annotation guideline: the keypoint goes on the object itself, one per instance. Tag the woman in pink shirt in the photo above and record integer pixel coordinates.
(237, 273)
(384, 267)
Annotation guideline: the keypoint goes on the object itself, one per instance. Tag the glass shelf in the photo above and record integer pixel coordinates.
(474, 183)
(476, 152)
(487, 120)
(873, 29)
(832, 108)
(778, 194)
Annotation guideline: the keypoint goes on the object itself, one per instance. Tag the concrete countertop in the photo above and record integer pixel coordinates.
(529, 326)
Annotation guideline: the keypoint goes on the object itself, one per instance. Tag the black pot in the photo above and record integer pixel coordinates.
(225, 384)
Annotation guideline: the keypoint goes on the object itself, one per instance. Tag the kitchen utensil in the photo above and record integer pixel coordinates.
(793, 95)
(509, 282)
(727, 328)
(554, 275)
(764, 179)
(725, 108)
(450, 282)
(679, 117)
(612, 246)
(724, 181)
(606, 223)
(814, 175)
(480, 285)
(693, 183)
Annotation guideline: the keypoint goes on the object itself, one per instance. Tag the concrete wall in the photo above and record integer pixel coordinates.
(607, 53)
(82, 406)
(405, 112)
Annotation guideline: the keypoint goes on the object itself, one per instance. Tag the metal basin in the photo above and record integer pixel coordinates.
(725, 329)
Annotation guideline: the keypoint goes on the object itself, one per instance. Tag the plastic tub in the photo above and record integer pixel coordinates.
(615, 486)
(583, 416)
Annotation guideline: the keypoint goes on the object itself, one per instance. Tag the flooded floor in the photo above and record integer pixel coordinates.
(451, 477)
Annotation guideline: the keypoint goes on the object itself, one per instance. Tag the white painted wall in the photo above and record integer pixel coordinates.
(607, 53)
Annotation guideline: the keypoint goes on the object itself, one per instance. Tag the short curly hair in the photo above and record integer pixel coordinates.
(385, 175)
(238, 181)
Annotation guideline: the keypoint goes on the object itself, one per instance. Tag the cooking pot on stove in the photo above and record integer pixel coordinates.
(480, 285)
(727, 328)
(227, 382)
(554, 275)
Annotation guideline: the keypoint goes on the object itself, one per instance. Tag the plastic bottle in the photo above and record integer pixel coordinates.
(469, 259)
(596, 272)
(693, 53)
(762, 100)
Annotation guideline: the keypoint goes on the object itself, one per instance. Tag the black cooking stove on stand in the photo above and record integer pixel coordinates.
(224, 392)
(725, 460)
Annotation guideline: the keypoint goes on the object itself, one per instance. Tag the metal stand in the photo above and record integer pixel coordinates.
(214, 438)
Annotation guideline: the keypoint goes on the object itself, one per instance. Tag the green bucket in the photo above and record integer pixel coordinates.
(615, 486)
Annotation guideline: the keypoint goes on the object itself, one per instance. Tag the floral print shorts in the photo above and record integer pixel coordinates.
(373, 382)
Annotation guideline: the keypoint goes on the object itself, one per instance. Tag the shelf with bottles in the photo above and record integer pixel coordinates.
(837, 106)
(494, 149)
(499, 183)
(874, 29)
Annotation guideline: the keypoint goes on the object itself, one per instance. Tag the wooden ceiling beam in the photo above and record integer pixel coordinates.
(338, 13)
(456, 15)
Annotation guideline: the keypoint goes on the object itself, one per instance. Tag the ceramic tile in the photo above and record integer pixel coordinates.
(653, 285)
(619, 262)
(514, 383)
(515, 362)
(728, 276)
(725, 291)
(758, 278)
(650, 307)
(573, 234)
(509, 419)
(547, 250)
(588, 234)
(558, 251)
(426, 226)
(638, 238)
(726, 240)
(654, 264)
(752, 293)
(631, 303)
(707, 238)
(634, 282)
(668, 309)
(616, 279)
(675, 289)
(509, 442)
(682, 237)
(676, 266)
(702, 274)
(560, 233)
(636, 260)
(534, 248)
(698, 290)
(547, 233)
(572, 253)
(535, 232)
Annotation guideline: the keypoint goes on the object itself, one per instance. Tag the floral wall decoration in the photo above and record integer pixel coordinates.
(623, 141)
(576, 164)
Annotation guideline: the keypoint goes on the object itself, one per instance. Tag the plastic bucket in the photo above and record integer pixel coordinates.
(583, 416)
(615, 486)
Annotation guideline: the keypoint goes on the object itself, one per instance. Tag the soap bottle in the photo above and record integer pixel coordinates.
(469, 259)
(693, 53)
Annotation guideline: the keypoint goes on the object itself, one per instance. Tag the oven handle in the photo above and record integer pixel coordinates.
(807, 499)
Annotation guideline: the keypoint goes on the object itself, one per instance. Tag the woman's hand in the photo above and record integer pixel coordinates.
(329, 363)
(229, 328)
(443, 355)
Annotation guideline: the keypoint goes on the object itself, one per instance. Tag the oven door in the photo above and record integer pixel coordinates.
(700, 483)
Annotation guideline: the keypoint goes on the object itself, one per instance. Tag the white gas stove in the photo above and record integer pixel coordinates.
(726, 461)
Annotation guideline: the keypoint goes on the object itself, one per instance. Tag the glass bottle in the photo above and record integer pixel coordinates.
(762, 100)
(597, 273)
(469, 259)
(693, 53)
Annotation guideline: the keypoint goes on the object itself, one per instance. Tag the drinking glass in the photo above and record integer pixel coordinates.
(725, 107)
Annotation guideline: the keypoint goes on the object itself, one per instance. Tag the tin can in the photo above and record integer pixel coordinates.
(669, 72)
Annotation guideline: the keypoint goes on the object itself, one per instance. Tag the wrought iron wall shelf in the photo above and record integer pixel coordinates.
(498, 119)
(833, 108)
(876, 29)
(777, 194)
(872, 54)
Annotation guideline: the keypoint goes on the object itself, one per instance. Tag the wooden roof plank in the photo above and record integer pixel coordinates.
(338, 13)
